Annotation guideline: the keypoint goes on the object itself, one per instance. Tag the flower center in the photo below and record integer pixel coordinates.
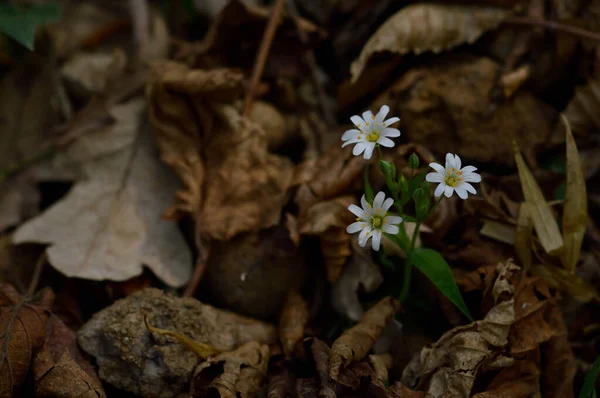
(451, 181)
(377, 221)
(373, 137)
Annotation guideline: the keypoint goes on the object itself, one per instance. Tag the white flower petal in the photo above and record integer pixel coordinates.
(457, 162)
(438, 167)
(439, 190)
(386, 142)
(365, 205)
(393, 220)
(364, 236)
(387, 204)
(390, 132)
(359, 148)
(350, 134)
(357, 211)
(448, 191)
(358, 121)
(378, 201)
(449, 161)
(472, 177)
(383, 111)
(390, 121)
(434, 177)
(469, 188)
(352, 141)
(461, 192)
(355, 227)
(376, 239)
(468, 169)
(368, 117)
(390, 229)
(370, 146)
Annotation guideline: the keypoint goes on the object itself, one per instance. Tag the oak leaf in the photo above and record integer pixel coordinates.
(429, 27)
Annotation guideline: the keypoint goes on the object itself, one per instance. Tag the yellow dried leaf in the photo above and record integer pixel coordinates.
(203, 350)
(575, 214)
(355, 343)
(543, 220)
(292, 321)
(429, 27)
(573, 285)
(499, 231)
(523, 236)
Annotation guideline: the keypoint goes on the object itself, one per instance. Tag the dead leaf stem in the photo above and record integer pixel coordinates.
(553, 25)
(261, 59)
(35, 280)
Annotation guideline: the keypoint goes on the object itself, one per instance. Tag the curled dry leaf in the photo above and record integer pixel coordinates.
(66, 379)
(109, 225)
(381, 363)
(157, 366)
(329, 220)
(575, 212)
(581, 111)
(360, 272)
(429, 27)
(399, 390)
(243, 372)
(22, 333)
(449, 367)
(355, 343)
(292, 321)
(321, 354)
(233, 184)
(520, 380)
(307, 388)
(281, 384)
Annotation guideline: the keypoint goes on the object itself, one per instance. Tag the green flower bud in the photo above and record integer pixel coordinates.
(413, 161)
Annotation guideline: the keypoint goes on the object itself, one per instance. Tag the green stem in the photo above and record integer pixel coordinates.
(406, 281)
(380, 151)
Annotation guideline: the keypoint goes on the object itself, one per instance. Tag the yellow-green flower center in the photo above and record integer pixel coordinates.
(373, 137)
(377, 221)
(451, 181)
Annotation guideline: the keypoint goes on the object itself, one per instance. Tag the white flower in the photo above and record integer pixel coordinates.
(452, 178)
(372, 130)
(371, 221)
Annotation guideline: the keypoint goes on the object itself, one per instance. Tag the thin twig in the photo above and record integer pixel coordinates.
(261, 59)
(37, 273)
(557, 26)
(190, 289)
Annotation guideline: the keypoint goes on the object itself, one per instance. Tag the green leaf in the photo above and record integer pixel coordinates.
(19, 22)
(415, 182)
(588, 388)
(389, 172)
(401, 240)
(369, 195)
(404, 190)
(433, 265)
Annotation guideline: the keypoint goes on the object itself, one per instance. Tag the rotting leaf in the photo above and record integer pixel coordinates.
(233, 184)
(22, 333)
(329, 220)
(109, 225)
(521, 380)
(355, 343)
(541, 214)
(575, 213)
(429, 27)
(203, 350)
(292, 321)
(66, 379)
(449, 367)
(243, 372)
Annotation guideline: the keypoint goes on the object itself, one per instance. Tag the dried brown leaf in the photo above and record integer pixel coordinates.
(399, 390)
(523, 236)
(244, 370)
(543, 219)
(355, 343)
(329, 220)
(233, 184)
(282, 384)
(429, 27)
(321, 354)
(559, 369)
(22, 333)
(292, 321)
(575, 213)
(307, 388)
(66, 379)
(381, 363)
(573, 285)
(582, 110)
(361, 272)
(521, 380)
(449, 367)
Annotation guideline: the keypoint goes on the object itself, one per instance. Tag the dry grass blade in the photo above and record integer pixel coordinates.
(575, 214)
(561, 279)
(429, 27)
(543, 220)
(523, 236)
(203, 350)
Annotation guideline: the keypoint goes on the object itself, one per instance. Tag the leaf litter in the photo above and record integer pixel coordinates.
(198, 229)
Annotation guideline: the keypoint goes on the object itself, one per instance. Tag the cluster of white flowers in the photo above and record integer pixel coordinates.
(373, 220)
